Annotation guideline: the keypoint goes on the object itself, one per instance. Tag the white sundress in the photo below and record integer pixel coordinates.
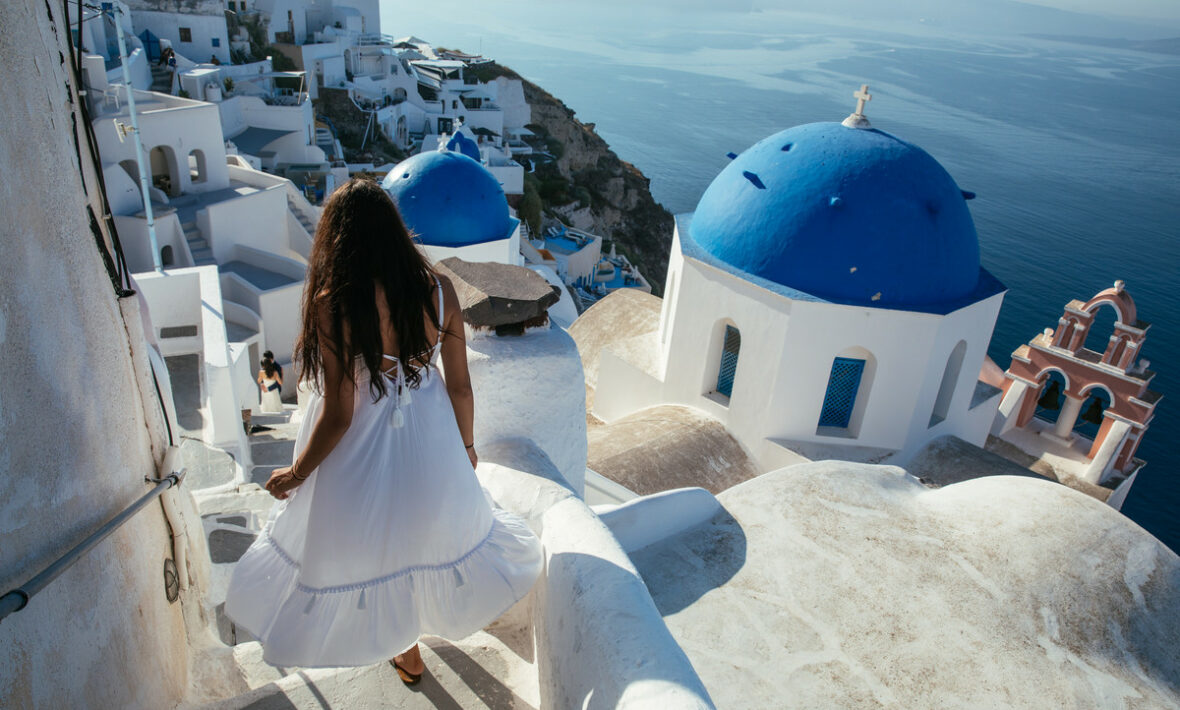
(390, 538)
(271, 401)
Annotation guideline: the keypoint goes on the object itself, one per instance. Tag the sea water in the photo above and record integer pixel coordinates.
(1072, 145)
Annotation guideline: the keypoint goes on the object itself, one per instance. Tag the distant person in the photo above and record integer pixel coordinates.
(383, 532)
(268, 355)
(214, 60)
(271, 382)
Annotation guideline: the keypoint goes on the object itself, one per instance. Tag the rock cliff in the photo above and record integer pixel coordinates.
(587, 186)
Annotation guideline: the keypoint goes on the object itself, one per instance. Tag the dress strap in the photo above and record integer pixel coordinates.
(441, 320)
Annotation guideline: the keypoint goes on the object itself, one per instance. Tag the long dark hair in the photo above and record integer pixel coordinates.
(360, 242)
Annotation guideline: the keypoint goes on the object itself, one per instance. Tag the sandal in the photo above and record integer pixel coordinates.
(407, 677)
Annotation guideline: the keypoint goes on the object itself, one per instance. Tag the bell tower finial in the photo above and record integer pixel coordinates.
(857, 119)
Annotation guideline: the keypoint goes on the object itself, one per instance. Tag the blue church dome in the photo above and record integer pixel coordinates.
(845, 214)
(449, 200)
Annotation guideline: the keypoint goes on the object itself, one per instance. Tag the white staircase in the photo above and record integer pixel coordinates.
(324, 139)
(197, 245)
(161, 78)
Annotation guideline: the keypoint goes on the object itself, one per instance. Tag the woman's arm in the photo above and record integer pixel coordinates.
(334, 420)
(454, 360)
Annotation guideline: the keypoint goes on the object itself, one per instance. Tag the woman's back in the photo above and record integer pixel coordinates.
(382, 531)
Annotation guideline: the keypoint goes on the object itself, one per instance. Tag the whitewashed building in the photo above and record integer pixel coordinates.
(814, 301)
(196, 29)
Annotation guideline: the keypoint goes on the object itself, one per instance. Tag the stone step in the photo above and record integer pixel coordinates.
(478, 672)
(202, 256)
(188, 226)
(196, 243)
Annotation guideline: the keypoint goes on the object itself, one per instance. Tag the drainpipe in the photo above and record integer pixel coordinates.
(116, 13)
(176, 520)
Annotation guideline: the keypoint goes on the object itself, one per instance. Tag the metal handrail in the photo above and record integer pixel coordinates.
(18, 598)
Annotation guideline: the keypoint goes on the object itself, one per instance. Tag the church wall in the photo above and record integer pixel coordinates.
(706, 300)
(819, 333)
(78, 417)
(972, 324)
(501, 251)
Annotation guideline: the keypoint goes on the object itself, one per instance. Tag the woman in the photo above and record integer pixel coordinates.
(270, 379)
(382, 532)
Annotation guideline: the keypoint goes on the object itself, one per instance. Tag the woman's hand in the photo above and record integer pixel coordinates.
(282, 482)
(473, 456)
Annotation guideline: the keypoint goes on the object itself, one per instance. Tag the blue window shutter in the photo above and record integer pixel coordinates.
(843, 385)
(216, 41)
(729, 360)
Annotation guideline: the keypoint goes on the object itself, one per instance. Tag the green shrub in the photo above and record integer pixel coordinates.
(530, 206)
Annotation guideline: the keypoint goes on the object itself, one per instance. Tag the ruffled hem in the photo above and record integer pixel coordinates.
(363, 623)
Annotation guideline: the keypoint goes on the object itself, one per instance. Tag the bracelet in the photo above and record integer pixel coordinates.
(296, 475)
(469, 446)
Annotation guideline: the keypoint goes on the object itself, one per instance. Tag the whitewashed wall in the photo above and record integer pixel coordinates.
(204, 28)
(501, 251)
(78, 417)
(531, 387)
(180, 125)
(600, 641)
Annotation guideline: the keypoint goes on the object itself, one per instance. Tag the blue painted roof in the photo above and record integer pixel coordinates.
(447, 199)
(843, 214)
(462, 144)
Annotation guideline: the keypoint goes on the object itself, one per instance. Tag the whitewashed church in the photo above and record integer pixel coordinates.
(826, 296)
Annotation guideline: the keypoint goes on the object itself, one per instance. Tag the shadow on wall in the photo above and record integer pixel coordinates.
(680, 570)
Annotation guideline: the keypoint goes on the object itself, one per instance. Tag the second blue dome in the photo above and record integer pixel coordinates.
(849, 215)
(447, 199)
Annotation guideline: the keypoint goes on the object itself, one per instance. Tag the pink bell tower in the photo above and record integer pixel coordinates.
(1114, 382)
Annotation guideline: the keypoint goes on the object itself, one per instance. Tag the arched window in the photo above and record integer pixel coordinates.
(729, 360)
(1101, 328)
(402, 134)
(166, 255)
(132, 169)
(165, 171)
(196, 166)
(840, 410)
(950, 377)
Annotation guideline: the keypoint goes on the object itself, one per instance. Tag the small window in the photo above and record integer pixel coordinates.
(216, 41)
(186, 34)
(843, 386)
(729, 359)
(166, 256)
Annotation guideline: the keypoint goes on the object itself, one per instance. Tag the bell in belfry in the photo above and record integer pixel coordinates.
(1093, 413)
(1051, 398)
